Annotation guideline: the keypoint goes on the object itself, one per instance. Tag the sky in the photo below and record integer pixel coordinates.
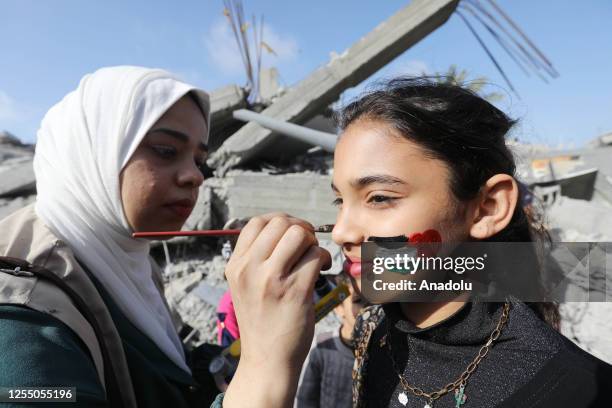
(47, 46)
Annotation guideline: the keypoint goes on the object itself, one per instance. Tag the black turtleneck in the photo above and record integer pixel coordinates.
(530, 365)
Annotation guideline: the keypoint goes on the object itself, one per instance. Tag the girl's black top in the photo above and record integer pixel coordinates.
(530, 365)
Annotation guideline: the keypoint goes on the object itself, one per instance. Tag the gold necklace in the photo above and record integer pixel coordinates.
(459, 384)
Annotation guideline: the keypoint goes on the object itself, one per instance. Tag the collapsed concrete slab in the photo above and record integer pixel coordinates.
(540, 166)
(246, 194)
(387, 41)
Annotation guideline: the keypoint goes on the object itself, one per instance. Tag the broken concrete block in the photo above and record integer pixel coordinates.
(246, 194)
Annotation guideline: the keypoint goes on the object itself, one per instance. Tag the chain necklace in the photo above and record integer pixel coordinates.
(459, 384)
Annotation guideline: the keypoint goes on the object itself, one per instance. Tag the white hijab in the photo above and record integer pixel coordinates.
(83, 144)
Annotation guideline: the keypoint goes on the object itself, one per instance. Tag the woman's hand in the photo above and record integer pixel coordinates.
(271, 275)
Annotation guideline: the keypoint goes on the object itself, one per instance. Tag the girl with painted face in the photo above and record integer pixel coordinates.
(416, 156)
(81, 301)
(413, 156)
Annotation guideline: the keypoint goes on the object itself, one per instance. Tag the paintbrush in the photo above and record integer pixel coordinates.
(326, 228)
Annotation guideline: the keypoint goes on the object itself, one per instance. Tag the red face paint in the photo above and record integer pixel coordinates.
(429, 235)
(427, 242)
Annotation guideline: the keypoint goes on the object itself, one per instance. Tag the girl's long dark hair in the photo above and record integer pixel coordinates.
(463, 130)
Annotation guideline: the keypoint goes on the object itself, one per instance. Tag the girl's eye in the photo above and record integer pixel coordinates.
(166, 152)
(337, 202)
(380, 199)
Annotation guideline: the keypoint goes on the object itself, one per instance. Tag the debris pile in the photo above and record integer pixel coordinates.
(575, 189)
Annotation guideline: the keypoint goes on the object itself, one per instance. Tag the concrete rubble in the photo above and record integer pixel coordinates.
(323, 86)
(258, 171)
(17, 182)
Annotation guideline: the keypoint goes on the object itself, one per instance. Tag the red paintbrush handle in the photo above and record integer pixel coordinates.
(185, 233)
(326, 228)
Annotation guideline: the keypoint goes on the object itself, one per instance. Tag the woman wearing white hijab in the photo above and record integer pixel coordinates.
(123, 153)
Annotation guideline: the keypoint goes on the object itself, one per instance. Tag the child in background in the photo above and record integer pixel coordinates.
(227, 325)
(327, 378)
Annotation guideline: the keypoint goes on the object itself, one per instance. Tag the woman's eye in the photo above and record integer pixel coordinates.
(166, 152)
(337, 202)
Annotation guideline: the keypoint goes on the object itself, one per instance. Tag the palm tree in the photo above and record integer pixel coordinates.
(454, 76)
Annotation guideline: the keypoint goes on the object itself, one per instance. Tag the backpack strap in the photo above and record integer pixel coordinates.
(22, 268)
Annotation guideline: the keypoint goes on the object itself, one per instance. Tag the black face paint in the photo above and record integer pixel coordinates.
(430, 235)
(398, 238)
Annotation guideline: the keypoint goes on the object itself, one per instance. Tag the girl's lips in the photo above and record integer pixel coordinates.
(352, 266)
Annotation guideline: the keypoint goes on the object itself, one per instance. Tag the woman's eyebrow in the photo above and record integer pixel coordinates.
(180, 136)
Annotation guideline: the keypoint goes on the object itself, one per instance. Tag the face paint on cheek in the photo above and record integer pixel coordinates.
(426, 242)
(430, 235)
(397, 238)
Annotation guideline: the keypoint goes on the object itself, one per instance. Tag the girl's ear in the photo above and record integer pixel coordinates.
(495, 206)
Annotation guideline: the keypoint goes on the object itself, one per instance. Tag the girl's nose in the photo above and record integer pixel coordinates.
(347, 231)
